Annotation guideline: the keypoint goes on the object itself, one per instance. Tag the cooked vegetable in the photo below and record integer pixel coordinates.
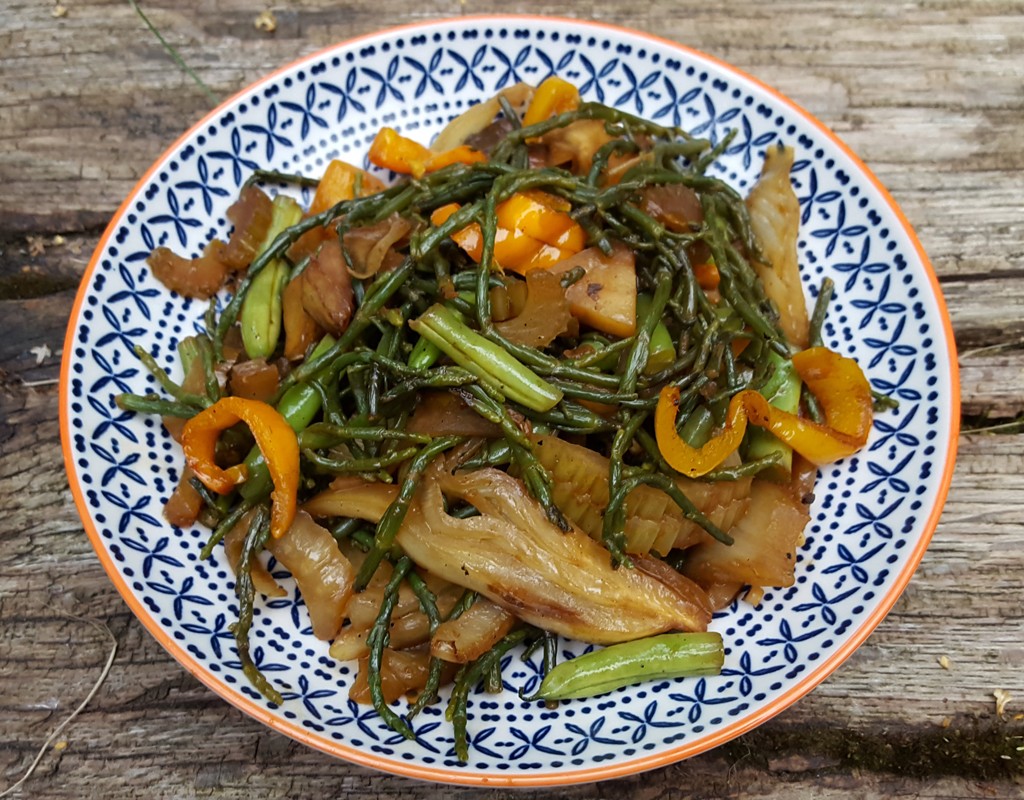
(560, 581)
(670, 655)
(489, 362)
(275, 439)
(837, 382)
(324, 576)
(260, 317)
(513, 392)
(605, 298)
(765, 539)
(774, 216)
(399, 154)
(473, 633)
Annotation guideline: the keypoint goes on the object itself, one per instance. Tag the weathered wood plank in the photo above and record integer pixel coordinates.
(893, 693)
(927, 93)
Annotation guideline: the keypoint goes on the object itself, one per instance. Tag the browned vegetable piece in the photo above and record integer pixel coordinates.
(508, 300)
(409, 630)
(401, 672)
(469, 636)
(575, 145)
(766, 539)
(674, 205)
(194, 382)
(183, 506)
(370, 248)
(364, 607)
(545, 314)
(300, 329)
(250, 214)
(442, 413)
(354, 497)
(512, 554)
(199, 277)
(254, 379)
(324, 576)
(775, 220)
(654, 523)
(605, 298)
(327, 288)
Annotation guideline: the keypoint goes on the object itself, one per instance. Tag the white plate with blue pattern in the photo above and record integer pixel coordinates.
(874, 512)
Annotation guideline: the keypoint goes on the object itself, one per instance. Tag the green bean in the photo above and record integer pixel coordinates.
(198, 402)
(267, 175)
(377, 640)
(154, 404)
(467, 679)
(485, 360)
(255, 539)
(820, 310)
(669, 655)
(358, 466)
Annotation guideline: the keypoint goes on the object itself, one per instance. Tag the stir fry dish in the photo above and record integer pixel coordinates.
(550, 378)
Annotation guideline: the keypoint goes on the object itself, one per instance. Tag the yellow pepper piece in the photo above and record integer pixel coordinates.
(534, 231)
(554, 96)
(275, 439)
(395, 152)
(339, 183)
(837, 382)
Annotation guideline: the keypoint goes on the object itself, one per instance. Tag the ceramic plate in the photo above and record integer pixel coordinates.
(872, 518)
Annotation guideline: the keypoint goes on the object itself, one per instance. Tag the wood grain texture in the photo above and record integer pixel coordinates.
(927, 93)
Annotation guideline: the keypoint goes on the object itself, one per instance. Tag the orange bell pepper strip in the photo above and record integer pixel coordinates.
(395, 152)
(534, 231)
(340, 182)
(707, 275)
(837, 382)
(554, 96)
(275, 439)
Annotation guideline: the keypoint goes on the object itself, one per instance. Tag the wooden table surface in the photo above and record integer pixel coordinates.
(930, 94)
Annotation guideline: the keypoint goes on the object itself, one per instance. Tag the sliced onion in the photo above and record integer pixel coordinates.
(355, 498)
(200, 277)
(476, 118)
(401, 672)
(254, 379)
(324, 576)
(185, 503)
(251, 215)
(444, 414)
(300, 329)
(327, 288)
(469, 636)
(545, 314)
(368, 246)
(674, 205)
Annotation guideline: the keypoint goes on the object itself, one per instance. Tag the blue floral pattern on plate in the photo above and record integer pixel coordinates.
(871, 514)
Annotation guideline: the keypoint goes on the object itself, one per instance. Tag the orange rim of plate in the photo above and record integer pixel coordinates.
(633, 766)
